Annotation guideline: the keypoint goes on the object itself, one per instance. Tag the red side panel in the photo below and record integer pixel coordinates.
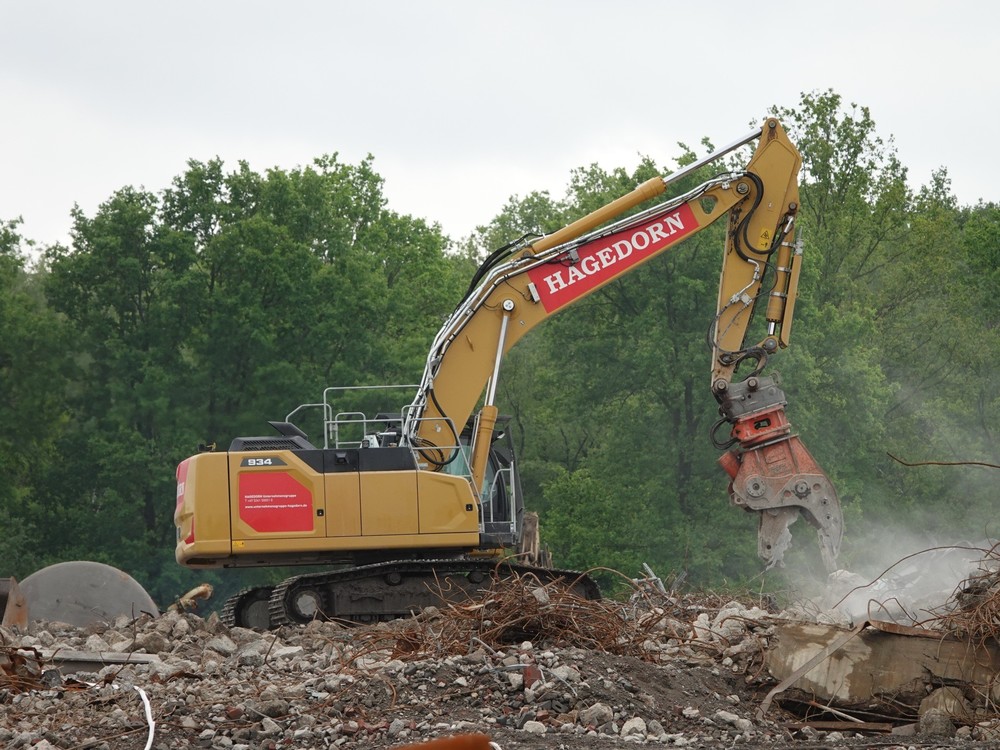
(275, 501)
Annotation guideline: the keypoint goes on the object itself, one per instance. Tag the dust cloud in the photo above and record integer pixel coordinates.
(893, 576)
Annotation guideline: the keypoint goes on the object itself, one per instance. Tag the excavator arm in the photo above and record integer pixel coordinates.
(521, 285)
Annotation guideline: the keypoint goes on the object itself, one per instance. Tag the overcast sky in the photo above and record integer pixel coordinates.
(465, 103)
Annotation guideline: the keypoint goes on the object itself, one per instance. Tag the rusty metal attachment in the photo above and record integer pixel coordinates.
(773, 474)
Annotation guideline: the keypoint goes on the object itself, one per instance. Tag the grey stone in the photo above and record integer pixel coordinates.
(595, 715)
(936, 723)
(222, 644)
(948, 699)
(634, 726)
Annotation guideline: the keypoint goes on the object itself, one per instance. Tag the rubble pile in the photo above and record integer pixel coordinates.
(520, 608)
(675, 675)
(528, 666)
(974, 611)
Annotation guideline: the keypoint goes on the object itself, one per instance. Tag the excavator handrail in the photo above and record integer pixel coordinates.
(327, 407)
(504, 475)
(712, 157)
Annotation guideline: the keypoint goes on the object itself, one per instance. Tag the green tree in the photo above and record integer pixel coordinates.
(107, 491)
(592, 531)
(855, 200)
(980, 344)
(197, 314)
(32, 410)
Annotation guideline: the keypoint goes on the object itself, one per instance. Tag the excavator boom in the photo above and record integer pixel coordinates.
(515, 292)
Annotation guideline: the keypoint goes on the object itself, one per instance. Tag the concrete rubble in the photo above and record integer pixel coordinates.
(697, 679)
(320, 686)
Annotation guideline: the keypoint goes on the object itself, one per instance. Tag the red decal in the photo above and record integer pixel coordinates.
(601, 260)
(275, 501)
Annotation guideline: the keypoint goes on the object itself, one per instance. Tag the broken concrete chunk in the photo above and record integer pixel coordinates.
(948, 700)
(534, 727)
(541, 596)
(733, 720)
(936, 723)
(566, 673)
(634, 726)
(877, 661)
(596, 715)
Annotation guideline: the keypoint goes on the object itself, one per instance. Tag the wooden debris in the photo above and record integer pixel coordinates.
(191, 600)
(13, 606)
(20, 669)
(514, 609)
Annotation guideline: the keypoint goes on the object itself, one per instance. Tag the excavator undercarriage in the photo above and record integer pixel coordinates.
(386, 591)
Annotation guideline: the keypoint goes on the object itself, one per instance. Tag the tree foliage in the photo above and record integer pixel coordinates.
(194, 314)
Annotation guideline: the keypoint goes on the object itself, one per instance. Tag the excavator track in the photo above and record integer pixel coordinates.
(248, 609)
(390, 590)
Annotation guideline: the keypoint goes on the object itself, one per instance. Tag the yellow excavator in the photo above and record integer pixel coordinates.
(406, 504)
